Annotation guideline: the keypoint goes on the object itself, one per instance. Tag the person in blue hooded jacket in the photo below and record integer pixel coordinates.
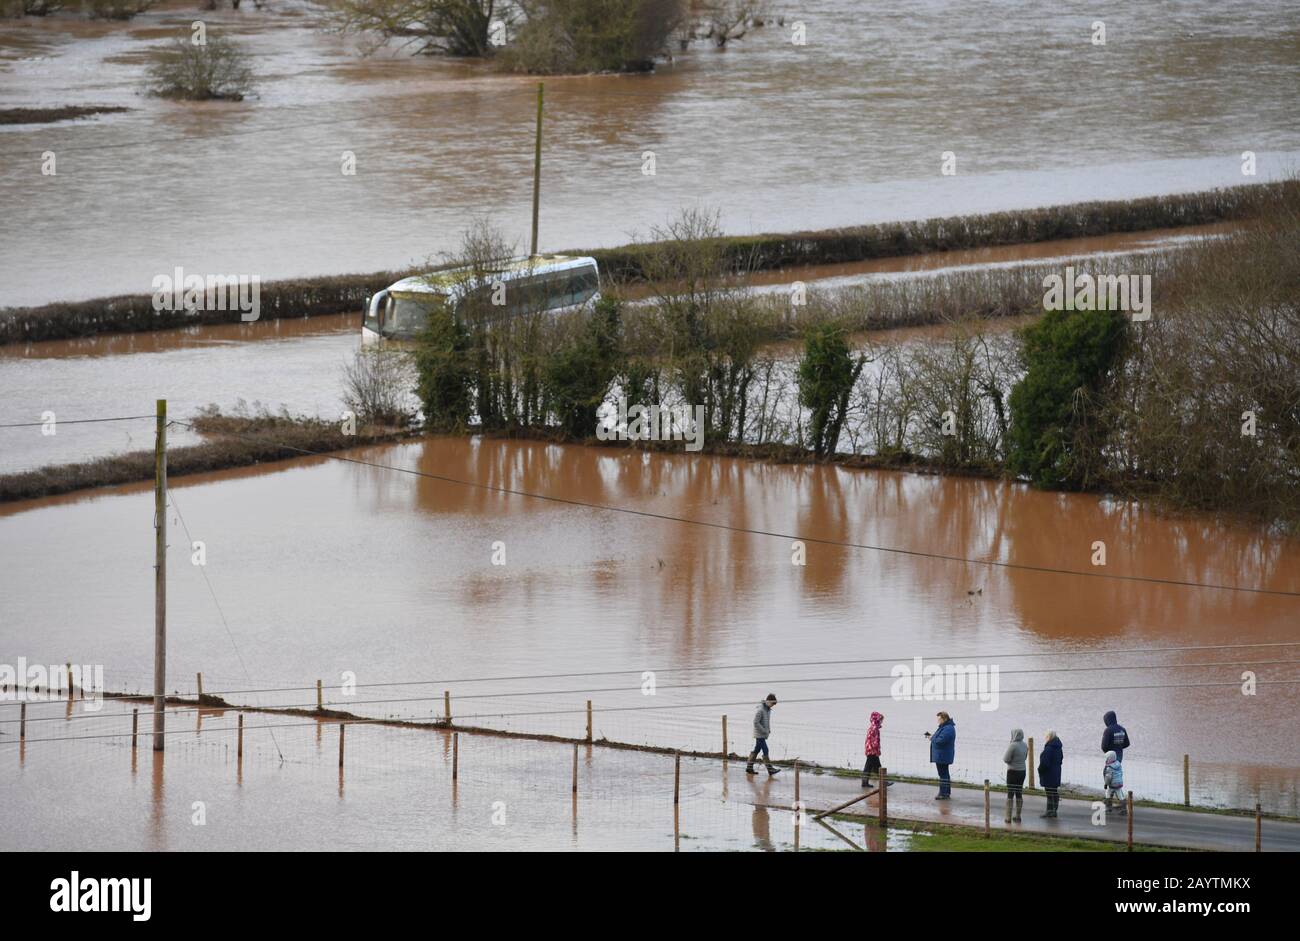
(943, 749)
(1049, 772)
(1115, 738)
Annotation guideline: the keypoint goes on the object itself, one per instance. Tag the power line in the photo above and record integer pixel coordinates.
(666, 517)
(939, 658)
(712, 705)
(536, 693)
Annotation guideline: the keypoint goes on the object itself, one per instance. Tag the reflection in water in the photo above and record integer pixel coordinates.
(763, 828)
(157, 794)
(324, 567)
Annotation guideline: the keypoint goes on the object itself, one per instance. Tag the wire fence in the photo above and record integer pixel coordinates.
(635, 720)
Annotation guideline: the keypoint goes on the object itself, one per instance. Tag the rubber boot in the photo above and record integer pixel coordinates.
(749, 768)
(1010, 801)
(773, 770)
(1020, 804)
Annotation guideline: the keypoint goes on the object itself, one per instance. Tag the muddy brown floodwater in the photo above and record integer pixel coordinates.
(850, 127)
(322, 568)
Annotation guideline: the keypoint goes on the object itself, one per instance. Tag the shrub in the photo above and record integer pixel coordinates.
(1068, 357)
(215, 69)
(446, 375)
(580, 36)
(827, 375)
(577, 375)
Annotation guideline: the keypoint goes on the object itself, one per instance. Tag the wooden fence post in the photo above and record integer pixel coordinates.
(986, 808)
(22, 722)
(69, 682)
(1130, 821)
(239, 747)
(884, 797)
(446, 705)
(135, 726)
(199, 678)
(1259, 829)
(796, 780)
(589, 720)
(320, 696)
(726, 746)
(575, 769)
(1030, 763)
(1187, 782)
(455, 755)
(342, 729)
(677, 777)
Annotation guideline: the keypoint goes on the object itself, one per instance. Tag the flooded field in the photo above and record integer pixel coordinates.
(322, 568)
(395, 793)
(848, 128)
(298, 364)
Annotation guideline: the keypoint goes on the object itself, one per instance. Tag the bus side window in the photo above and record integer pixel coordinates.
(583, 286)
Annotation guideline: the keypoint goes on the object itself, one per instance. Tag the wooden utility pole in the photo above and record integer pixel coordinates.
(160, 575)
(537, 168)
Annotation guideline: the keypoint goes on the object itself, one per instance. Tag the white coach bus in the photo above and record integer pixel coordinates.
(551, 284)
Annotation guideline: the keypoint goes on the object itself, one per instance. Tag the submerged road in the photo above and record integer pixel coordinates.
(1185, 829)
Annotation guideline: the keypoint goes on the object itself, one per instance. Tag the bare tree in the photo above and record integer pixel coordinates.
(724, 21)
(455, 27)
(378, 386)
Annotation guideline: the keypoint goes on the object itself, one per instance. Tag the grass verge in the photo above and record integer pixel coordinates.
(925, 837)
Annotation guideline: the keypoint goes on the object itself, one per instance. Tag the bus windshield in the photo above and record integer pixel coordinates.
(406, 315)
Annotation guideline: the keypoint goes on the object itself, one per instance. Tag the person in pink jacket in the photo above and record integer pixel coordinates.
(872, 748)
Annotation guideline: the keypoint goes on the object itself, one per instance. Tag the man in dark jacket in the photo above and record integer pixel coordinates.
(1115, 738)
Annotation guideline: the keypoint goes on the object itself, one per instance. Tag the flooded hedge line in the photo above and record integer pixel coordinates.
(894, 239)
(333, 294)
(238, 441)
(134, 313)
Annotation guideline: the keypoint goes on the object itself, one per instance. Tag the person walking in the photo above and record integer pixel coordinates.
(872, 748)
(762, 729)
(943, 749)
(1112, 776)
(1049, 772)
(1115, 738)
(1014, 758)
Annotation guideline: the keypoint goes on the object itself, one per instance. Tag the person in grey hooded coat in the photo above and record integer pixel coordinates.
(1014, 758)
(762, 729)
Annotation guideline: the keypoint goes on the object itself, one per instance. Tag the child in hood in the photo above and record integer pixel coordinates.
(872, 748)
(1112, 776)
